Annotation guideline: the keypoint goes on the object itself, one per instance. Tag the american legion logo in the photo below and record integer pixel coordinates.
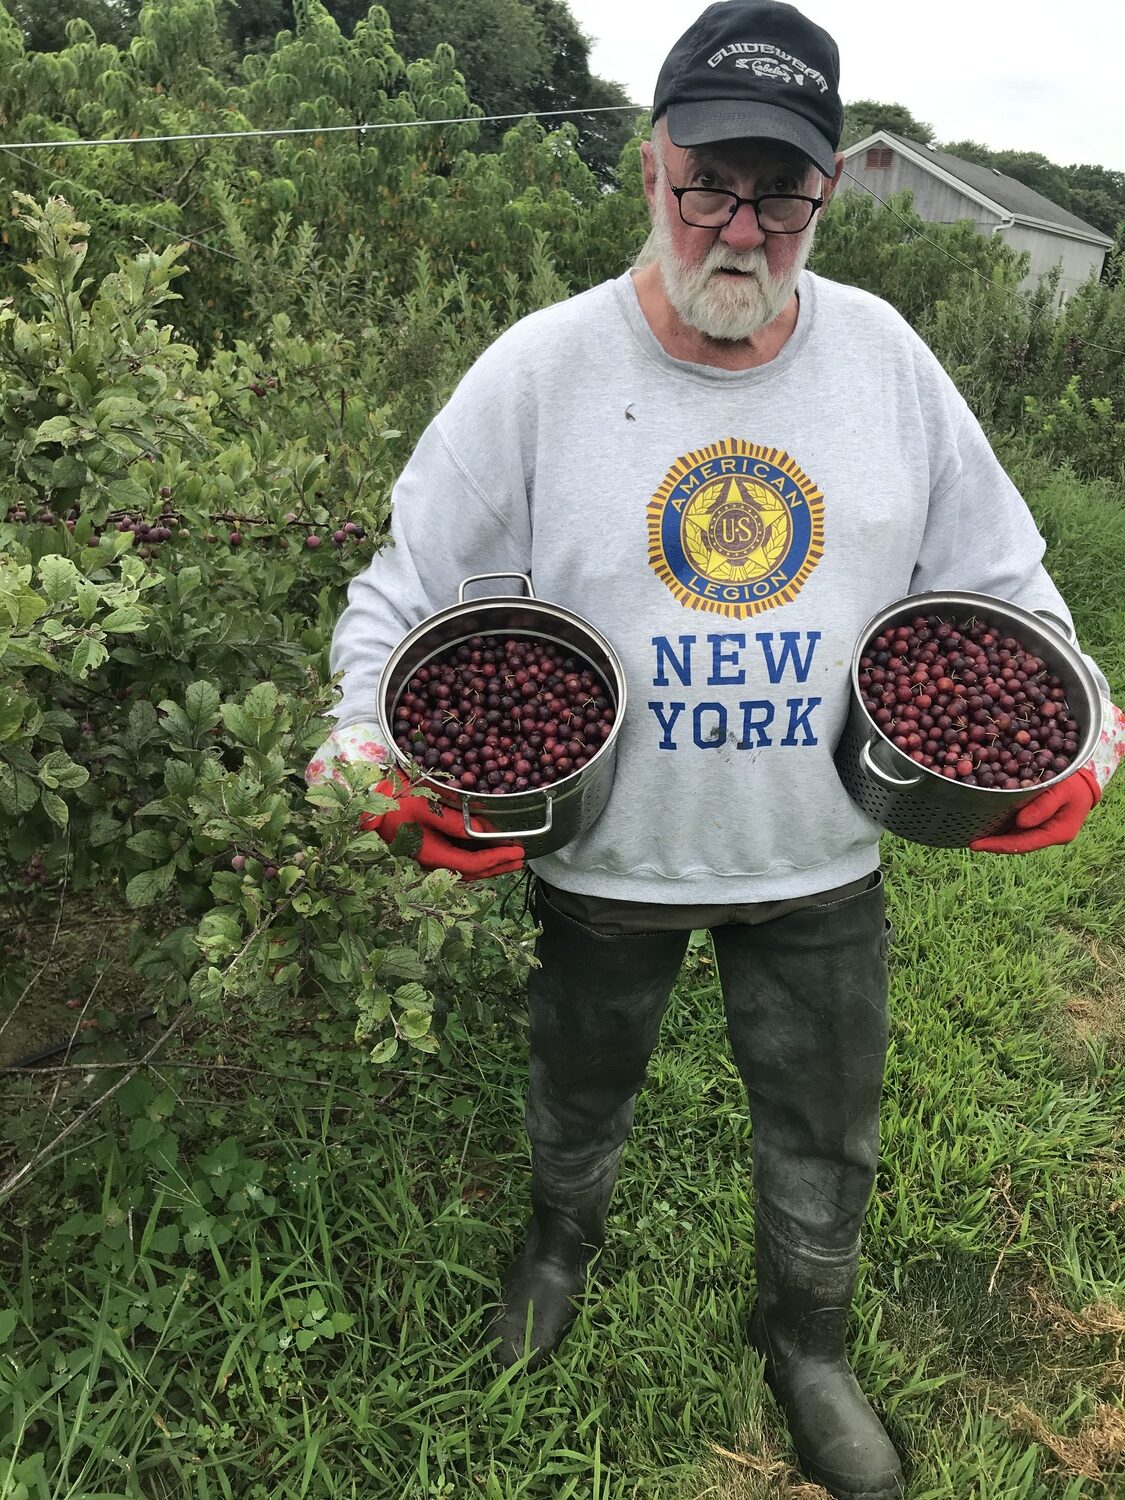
(735, 529)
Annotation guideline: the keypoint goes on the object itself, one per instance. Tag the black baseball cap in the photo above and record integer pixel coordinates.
(754, 68)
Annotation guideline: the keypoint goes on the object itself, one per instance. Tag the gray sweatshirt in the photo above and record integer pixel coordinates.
(730, 533)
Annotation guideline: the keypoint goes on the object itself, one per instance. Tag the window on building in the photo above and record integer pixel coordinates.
(878, 157)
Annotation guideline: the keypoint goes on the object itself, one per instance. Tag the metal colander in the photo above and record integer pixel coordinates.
(543, 818)
(918, 803)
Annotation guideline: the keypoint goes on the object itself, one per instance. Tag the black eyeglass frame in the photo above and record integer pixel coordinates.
(814, 204)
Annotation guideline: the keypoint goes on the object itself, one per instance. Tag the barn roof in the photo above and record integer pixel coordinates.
(1009, 196)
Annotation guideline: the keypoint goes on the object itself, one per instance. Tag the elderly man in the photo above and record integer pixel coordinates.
(727, 465)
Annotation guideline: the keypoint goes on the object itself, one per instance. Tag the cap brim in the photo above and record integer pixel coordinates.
(701, 123)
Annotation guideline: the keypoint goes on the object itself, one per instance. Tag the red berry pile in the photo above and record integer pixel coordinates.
(968, 702)
(503, 714)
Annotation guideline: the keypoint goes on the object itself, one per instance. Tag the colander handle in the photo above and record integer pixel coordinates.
(509, 835)
(1060, 625)
(484, 577)
(884, 778)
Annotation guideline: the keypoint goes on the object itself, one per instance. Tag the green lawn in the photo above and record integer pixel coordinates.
(254, 1286)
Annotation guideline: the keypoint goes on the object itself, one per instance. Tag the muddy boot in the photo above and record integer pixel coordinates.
(549, 1272)
(799, 1326)
(595, 1005)
(806, 998)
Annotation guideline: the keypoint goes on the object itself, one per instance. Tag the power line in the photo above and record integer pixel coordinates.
(228, 135)
(121, 208)
(15, 148)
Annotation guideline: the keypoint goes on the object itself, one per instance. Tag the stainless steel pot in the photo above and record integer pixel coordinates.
(544, 818)
(918, 803)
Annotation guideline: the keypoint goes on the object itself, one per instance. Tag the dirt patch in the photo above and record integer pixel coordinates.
(1096, 1320)
(64, 962)
(1097, 1450)
(1096, 1016)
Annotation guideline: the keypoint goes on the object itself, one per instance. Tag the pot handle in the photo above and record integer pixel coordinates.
(507, 835)
(1060, 625)
(482, 577)
(884, 778)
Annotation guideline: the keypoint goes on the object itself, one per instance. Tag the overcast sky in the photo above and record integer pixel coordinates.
(1008, 73)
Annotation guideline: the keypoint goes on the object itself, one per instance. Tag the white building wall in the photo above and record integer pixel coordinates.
(940, 203)
(1047, 250)
(935, 201)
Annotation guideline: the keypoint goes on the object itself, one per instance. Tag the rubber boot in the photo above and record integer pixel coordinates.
(595, 1005)
(549, 1273)
(799, 1326)
(806, 999)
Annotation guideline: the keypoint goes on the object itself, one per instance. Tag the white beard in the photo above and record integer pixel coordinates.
(727, 308)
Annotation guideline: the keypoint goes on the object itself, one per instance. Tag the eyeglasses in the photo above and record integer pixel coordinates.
(776, 213)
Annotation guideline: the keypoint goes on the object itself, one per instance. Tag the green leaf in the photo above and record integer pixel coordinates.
(150, 885)
(150, 843)
(220, 934)
(88, 596)
(413, 997)
(179, 778)
(29, 608)
(25, 654)
(56, 809)
(407, 843)
(431, 937)
(374, 1008)
(103, 827)
(9, 1317)
(56, 430)
(240, 725)
(414, 1023)
(58, 770)
(12, 717)
(18, 793)
(143, 725)
(400, 963)
(385, 1050)
(88, 655)
(165, 1241)
(134, 1097)
(177, 727)
(59, 576)
(226, 886)
(201, 701)
(124, 621)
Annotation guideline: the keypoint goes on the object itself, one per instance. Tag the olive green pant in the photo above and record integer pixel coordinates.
(805, 991)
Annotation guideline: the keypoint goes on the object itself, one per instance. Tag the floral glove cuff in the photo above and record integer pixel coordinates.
(1110, 749)
(353, 742)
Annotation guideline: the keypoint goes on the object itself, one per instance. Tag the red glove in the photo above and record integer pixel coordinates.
(1054, 817)
(441, 848)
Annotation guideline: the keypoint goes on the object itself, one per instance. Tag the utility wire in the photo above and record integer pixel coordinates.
(119, 207)
(227, 135)
(15, 148)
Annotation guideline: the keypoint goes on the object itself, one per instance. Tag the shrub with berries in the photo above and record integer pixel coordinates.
(164, 673)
